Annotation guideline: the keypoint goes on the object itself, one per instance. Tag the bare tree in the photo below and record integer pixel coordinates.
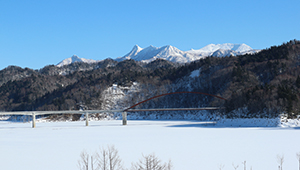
(244, 163)
(106, 159)
(169, 165)
(221, 166)
(151, 162)
(280, 160)
(92, 163)
(102, 159)
(298, 158)
(235, 166)
(115, 162)
(85, 164)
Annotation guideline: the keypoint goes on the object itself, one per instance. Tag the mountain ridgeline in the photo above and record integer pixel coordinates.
(263, 84)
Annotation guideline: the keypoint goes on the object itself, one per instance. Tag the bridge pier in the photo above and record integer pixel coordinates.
(124, 117)
(33, 120)
(86, 119)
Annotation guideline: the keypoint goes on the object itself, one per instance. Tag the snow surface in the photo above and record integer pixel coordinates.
(189, 144)
(195, 73)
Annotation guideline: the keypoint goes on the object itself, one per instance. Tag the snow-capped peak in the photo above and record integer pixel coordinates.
(74, 59)
(136, 49)
(151, 53)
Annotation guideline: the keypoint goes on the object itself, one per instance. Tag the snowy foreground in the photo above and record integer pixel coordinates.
(191, 145)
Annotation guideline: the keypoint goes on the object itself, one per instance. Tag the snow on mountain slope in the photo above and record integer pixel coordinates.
(211, 48)
(223, 53)
(74, 59)
(173, 54)
(222, 50)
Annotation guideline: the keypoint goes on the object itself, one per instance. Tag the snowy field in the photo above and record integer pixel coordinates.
(191, 145)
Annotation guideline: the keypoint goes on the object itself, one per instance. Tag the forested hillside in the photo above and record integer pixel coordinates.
(264, 84)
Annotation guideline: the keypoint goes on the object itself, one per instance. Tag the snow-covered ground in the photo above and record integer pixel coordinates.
(189, 144)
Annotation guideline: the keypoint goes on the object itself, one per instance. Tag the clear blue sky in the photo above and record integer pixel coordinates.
(36, 33)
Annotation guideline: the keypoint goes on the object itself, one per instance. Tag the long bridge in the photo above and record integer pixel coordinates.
(124, 111)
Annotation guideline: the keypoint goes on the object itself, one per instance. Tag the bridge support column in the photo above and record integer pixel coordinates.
(86, 119)
(33, 120)
(124, 117)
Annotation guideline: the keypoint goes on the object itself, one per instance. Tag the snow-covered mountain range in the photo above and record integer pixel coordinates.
(151, 53)
(74, 59)
(222, 50)
(173, 54)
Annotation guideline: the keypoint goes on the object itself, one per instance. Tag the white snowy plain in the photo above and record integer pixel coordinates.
(191, 145)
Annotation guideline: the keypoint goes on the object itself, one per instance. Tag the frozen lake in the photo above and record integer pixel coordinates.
(189, 144)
